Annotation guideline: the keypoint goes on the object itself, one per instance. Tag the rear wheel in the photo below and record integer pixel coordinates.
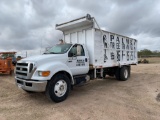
(58, 88)
(124, 73)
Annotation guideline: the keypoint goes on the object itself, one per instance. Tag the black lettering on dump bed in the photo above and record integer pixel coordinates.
(134, 44)
(112, 56)
(105, 55)
(131, 44)
(112, 44)
(127, 55)
(123, 54)
(131, 57)
(123, 45)
(105, 41)
(118, 56)
(127, 41)
(117, 43)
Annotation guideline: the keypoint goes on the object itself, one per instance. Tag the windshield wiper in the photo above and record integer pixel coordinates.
(52, 53)
(46, 53)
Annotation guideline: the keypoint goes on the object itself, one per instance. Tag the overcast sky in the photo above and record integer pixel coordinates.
(25, 23)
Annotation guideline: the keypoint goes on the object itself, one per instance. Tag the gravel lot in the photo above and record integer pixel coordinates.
(108, 99)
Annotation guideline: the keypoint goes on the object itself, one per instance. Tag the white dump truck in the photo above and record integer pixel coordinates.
(86, 53)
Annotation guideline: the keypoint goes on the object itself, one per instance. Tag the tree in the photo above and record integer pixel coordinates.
(147, 53)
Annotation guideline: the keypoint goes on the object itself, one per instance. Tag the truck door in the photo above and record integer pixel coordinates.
(78, 60)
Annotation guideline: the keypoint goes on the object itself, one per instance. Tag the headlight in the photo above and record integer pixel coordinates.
(44, 73)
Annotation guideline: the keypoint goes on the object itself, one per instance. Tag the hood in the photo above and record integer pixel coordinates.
(44, 57)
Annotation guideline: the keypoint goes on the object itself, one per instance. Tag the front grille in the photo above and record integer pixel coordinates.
(22, 64)
(22, 69)
(19, 73)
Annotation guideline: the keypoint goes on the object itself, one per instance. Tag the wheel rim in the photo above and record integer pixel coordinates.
(60, 88)
(125, 73)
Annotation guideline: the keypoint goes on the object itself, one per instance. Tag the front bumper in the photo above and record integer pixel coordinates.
(30, 85)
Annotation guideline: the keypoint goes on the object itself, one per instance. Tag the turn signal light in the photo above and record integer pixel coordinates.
(44, 73)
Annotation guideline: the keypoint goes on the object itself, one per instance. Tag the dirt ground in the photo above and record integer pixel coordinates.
(108, 99)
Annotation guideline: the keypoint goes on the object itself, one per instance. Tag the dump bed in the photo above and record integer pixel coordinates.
(106, 49)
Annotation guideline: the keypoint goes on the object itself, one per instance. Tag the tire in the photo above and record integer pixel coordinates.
(117, 73)
(124, 73)
(58, 88)
(129, 71)
(91, 74)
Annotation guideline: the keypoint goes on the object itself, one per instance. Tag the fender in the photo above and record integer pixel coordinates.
(53, 67)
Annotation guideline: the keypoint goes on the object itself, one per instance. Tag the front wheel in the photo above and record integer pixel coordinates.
(58, 88)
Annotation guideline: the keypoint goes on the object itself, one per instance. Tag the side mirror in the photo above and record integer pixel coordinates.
(70, 54)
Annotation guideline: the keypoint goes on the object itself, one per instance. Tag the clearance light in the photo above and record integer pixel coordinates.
(44, 73)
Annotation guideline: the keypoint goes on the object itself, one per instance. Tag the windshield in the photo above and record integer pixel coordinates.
(59, 49)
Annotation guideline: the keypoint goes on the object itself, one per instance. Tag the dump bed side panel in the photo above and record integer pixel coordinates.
(114, 50)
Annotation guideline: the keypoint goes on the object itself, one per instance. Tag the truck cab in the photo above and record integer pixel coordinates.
(69, 60)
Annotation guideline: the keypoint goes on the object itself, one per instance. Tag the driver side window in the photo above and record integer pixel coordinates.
(76, 50)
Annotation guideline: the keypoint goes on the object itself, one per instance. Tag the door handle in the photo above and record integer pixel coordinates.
(85, 59)
(69, 60)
